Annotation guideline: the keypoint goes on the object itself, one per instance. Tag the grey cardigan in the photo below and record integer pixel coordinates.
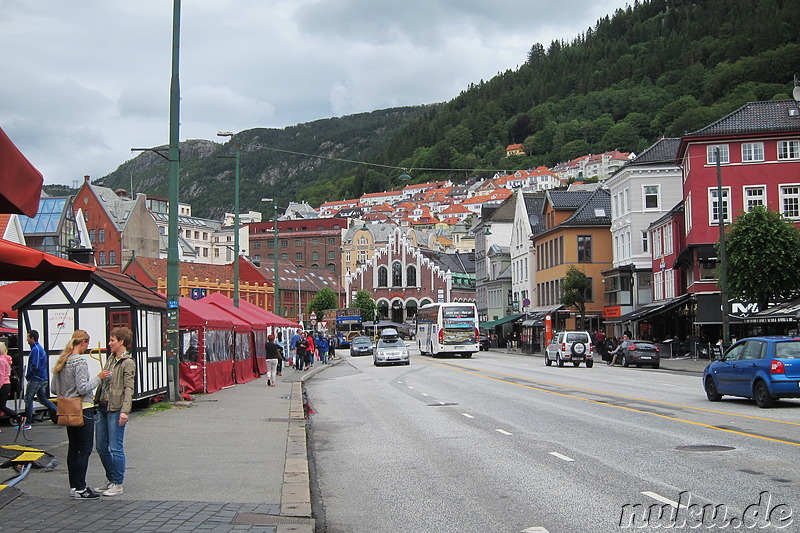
(74, 380)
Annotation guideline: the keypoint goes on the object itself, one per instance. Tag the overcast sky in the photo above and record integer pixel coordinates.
(85, 81)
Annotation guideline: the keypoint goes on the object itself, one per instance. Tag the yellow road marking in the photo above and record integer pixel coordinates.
(459, 368)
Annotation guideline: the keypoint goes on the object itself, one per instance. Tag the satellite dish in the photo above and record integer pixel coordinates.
(533, 219)
(796, 93)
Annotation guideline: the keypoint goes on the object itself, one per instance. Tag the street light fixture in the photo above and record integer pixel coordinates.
(275, 255)
(235, 218)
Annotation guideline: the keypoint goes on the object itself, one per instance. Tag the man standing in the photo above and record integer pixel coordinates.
(37, 377)
(300, 353)
(293, 346)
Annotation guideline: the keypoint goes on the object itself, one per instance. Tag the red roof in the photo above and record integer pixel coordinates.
(199, 313)
(272, 318)
(225, 304)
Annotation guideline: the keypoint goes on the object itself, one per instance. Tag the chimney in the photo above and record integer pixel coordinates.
(86, 178)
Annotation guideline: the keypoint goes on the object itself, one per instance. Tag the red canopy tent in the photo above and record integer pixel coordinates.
(18, 262)
(258, 341)
(242, 345)
(20, 182)
(11, 293)
(272, 318)
(206, 358)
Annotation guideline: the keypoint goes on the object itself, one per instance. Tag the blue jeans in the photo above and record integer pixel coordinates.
(323, 355)
(81, 439)
(109, 444)
(36, 389)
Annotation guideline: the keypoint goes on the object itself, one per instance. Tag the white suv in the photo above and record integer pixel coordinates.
(570, 346)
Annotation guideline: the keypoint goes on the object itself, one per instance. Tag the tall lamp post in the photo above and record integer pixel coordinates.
(235, 218)
(275, 255)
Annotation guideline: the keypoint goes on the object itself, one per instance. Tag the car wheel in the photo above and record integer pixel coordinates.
(559, 360)
(467, 355)
(547, 361)
(589, 364)
(762, 396)
(712, 393)
(625, 363)
(576, 364)
(656, 366)
(408, 363)
(638, 366)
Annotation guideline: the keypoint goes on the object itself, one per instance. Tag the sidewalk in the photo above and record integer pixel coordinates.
(235, 460)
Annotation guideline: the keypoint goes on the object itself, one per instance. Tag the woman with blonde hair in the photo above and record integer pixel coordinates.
(71, 378)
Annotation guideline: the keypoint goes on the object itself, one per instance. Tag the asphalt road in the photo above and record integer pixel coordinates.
(502, 443)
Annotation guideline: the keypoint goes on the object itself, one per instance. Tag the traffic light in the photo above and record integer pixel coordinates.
(377, 321)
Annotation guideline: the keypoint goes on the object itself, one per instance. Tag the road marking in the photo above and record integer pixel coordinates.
(535, 529)
(468, 415)
(424, 394)
(442, 403)
(560, 456)
(503, 431)
(410, 387)
(471, 371)
(659, 498)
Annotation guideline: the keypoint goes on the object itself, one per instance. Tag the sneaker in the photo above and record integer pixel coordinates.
(113, 490)
(85, 494)
(26, 427)
(103, 488)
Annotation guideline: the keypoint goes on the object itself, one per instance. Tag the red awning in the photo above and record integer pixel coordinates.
(20, 182)
(11, 293)
(19, 262)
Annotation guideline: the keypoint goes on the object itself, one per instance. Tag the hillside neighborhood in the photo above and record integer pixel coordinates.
(641, 227)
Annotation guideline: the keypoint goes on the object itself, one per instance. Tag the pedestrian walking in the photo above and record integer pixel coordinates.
(70, 379)
(300, 353)
(113, 402)
(311, 350)
(6, 367)
(273, 356)
(37, 377)
(322, 348)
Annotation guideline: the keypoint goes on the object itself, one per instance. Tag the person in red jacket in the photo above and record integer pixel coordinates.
(311, 350)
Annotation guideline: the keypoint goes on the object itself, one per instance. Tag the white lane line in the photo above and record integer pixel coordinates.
(468, 415)
(424, 394)
(535, 529)
(660, 498)
(410, 387)
(503, 431)
(442, 403)
(561, 456)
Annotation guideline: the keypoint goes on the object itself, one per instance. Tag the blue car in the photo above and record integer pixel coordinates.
(762, 368)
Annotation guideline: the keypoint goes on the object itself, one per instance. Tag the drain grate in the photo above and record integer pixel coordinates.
(262, 519)
(704, 448)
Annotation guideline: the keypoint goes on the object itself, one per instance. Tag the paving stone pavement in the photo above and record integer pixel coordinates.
(230, 461)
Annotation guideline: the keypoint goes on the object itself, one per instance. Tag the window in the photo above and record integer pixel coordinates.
(645, 242)
(790, 201)
(657, 242)
(589, 294)
(285, 256)
(753, 196)
(668, 240)
(711, 153)
(315, 256)
(298, 256)
(298, 243)
(331, 267)
(397, 275)
(651, 197)
(752, 152)
(331, 240)
(112, 257)
(714, 207)
(788, 149)
(688, 211)
(284, 244)
(383, 276)
(91, 235)
(584, 248)
(331, 255)
(102, 258)
(101, 236)
(411, 276)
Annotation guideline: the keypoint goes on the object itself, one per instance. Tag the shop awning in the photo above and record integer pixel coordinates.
(650, 310)
(500, 321)
(782, 312)
(536, 318)
(19, 262)
(20, 182)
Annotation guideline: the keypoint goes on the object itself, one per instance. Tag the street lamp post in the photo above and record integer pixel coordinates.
(235, 219)
(275, 255)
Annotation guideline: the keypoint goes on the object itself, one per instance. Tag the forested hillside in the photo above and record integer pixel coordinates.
(660, 67)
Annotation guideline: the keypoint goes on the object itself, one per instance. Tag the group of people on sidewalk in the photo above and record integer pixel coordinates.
(304, 349)
(107, 400)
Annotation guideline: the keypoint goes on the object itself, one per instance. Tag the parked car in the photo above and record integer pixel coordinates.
(361, 346)
(391, 349)
(483, 341)
(763, 368)
(639, 353)
(574, 347)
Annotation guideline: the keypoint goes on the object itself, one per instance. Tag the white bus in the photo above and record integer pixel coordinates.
(447, 328)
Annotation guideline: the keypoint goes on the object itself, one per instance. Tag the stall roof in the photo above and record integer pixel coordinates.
(20, 182)
(272, 318)
(239, 323)
(220, 301)
(197, 313)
